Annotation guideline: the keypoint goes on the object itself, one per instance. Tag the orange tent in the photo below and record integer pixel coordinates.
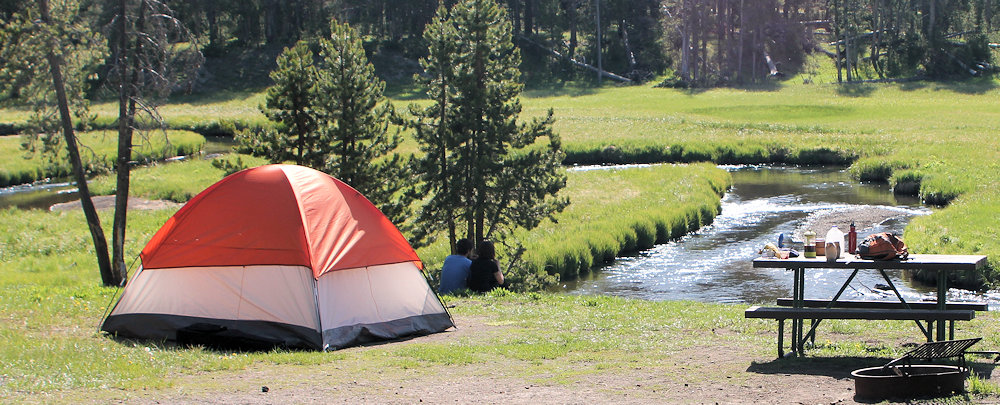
(278, 255)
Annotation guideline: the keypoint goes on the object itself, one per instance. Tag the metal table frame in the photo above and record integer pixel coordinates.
(941, 264)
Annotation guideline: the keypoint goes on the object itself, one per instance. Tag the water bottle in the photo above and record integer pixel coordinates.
(834, 244)
(852, 239)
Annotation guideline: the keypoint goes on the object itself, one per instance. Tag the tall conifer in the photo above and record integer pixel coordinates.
(488, 172)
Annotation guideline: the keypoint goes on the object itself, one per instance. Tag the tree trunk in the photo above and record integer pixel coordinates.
(739, 58)
(598, 45)
(126, 112)
(213, 25)
(571, 17)
(685, 41)
(515, 15)
(629, 55)
(529, 17)
(836, 35)
(66, 122)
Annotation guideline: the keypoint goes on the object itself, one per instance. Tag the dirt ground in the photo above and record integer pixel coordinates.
(108, 202)
(709, 374)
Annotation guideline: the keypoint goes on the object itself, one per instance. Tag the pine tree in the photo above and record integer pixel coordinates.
(289, 103)
(482, 168)
(332, 116)
(355, 118)
(433, 132)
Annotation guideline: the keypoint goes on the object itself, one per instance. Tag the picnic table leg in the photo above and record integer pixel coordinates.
(781, 338)
(942, 298)
(799, 323)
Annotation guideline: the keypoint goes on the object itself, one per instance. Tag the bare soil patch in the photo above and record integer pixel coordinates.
(108, 202)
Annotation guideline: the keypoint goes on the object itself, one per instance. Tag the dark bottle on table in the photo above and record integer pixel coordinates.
(852, 240)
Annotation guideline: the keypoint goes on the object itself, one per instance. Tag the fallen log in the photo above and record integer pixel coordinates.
(576, 62)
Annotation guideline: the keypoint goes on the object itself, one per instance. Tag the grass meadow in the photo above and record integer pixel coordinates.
(936, 140)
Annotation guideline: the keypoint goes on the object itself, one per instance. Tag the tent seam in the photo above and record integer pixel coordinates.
(302, 221)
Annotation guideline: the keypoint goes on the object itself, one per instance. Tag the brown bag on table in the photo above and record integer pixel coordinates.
(882, 246)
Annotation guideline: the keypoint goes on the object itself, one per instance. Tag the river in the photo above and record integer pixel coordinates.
(714, 263)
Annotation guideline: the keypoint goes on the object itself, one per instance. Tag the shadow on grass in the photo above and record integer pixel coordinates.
(767, 86)
(856, 89)
(559, 90)
(972, 87)
(976, 86)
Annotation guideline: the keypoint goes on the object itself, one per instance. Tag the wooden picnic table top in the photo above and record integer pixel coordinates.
(913, 262)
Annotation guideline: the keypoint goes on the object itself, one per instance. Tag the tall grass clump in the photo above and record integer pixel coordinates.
(620, 211)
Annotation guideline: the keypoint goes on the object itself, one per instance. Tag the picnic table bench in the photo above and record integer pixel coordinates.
(798, 308)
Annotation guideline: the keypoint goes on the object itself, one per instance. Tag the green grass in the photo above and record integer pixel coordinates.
(942, 134)
(97, 148)
(52, 302)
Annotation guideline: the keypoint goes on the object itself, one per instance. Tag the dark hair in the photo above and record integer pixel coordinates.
(463, 246)
(486, 250)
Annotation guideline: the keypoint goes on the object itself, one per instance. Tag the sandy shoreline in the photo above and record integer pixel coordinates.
(865, 218)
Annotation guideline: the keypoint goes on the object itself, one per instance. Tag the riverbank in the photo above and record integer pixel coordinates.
(508, 348)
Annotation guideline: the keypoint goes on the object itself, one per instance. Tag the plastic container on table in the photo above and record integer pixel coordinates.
(834, 244)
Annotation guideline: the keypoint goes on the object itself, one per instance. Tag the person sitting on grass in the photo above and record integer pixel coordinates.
(455, 271)
(485, 274)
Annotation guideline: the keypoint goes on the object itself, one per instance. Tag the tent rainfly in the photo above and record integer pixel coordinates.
(278, 255)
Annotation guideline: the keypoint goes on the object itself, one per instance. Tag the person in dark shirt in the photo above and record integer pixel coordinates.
(484, 273)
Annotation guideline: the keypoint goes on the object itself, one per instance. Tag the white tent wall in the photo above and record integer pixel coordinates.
(246, 300)
(378, 302)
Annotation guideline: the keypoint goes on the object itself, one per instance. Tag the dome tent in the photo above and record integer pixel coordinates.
(278, 255)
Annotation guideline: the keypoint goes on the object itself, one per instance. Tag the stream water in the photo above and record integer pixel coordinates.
(43, 194)
(714, 263)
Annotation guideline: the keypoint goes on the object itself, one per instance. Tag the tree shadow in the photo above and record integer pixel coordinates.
(913, 85)
(856, 89)
(834, 367)
(971, 87)
(767, 86)
(559, 90)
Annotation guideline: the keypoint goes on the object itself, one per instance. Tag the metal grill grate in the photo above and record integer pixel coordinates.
(937, 350)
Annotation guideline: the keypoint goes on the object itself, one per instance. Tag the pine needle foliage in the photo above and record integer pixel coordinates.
(483, 171)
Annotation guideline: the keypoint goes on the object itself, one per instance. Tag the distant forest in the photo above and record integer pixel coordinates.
(694, 42)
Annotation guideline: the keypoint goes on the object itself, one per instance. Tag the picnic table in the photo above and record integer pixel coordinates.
(798, 308)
